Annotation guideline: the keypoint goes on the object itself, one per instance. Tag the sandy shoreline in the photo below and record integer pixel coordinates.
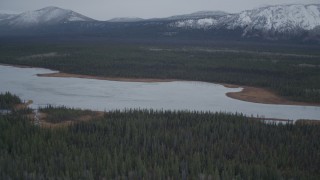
(264, 96)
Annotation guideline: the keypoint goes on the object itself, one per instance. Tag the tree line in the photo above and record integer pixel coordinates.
(8, 100)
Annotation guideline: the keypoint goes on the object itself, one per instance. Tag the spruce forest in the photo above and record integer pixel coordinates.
(146, 144)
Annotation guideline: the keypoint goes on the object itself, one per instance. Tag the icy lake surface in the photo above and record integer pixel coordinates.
(110, 95)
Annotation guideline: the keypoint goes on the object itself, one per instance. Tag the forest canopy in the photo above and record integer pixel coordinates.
(147, 144)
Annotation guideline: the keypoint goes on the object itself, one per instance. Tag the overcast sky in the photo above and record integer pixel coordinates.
(107, 9)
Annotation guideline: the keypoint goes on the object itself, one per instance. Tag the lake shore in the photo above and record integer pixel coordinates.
(264, 96)
(18, 66)
(248, 94)
(68, 75)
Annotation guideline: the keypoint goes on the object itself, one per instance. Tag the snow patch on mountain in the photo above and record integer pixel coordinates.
(196, 24)
(77, 17)
(6, 16)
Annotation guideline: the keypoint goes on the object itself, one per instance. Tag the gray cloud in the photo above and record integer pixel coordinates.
(106, 9)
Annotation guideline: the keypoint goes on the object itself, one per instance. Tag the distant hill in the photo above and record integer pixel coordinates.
(45, 16)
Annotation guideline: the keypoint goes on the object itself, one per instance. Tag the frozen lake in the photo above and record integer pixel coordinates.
(110, 95)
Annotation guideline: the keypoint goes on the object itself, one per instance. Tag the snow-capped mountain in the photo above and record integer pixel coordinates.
(280, 19)
(45, 16)
(277, 19)
(125, 19)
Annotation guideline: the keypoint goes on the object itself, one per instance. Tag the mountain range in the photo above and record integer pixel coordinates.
(280, 22)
